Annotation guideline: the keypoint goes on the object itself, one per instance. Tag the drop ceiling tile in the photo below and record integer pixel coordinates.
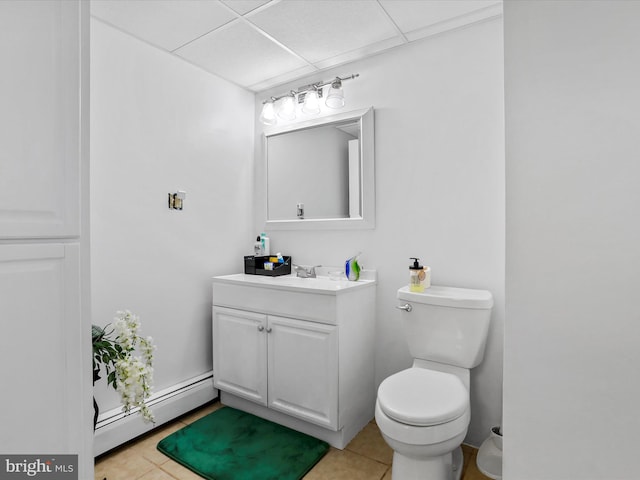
(244, 6)
(165, 23)
(492, 11)
(410, 15)
(360, 53)
(240, 54)
(321, 29)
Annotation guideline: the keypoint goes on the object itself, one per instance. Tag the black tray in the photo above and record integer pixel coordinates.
(254, 265)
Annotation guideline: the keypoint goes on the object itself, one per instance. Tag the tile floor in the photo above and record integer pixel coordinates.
(367, 457)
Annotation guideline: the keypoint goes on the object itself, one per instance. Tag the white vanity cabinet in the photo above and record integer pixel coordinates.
(290, 365)
(296, 351)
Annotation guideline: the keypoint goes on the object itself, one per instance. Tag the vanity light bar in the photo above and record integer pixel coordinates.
(306, 88)
(269, 112)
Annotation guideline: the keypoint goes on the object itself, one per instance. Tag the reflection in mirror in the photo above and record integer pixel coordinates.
(320, 173)
(314, 167)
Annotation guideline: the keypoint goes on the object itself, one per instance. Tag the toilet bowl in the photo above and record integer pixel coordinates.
(423, 412)
(423, 416)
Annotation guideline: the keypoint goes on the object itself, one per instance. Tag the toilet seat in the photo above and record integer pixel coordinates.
(413, 435)
(422, 397)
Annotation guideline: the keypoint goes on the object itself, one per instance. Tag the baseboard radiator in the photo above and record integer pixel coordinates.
(115, 428)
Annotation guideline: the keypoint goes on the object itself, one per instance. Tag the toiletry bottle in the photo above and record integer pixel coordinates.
(257, 247)
(266, 247)
(417, 276)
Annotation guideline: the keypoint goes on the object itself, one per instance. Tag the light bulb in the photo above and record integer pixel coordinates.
(335, 97)
(311, 104)
(268, 115)
(287, 108)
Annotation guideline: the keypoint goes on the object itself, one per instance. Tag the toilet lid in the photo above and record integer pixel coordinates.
(422, 397)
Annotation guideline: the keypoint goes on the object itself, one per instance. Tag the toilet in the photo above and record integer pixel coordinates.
(423, 412)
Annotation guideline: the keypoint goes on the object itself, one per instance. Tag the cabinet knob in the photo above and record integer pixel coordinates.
(268, 329)
(260, 328)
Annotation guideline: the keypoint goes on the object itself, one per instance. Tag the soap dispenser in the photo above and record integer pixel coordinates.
(419, 276)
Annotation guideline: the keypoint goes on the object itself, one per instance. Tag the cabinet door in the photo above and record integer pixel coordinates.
(41, 349)
(303, 370)
(239, 353)
(39, 119)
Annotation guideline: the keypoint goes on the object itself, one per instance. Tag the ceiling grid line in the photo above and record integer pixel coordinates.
(393, 23)
(281, 45)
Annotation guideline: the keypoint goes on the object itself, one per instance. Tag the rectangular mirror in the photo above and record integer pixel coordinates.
(320, 173)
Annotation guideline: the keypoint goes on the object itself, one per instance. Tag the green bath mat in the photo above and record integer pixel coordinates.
(232, 445)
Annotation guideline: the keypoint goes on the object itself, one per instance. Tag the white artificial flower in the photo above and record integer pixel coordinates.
(134, 374)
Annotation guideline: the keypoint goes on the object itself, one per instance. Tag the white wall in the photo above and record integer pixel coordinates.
(571, 381)
(439, 187)
(158, 124)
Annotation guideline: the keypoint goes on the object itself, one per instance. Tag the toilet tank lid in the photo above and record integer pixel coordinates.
(449, 297)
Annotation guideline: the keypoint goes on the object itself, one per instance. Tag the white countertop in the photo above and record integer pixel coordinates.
(320, 284)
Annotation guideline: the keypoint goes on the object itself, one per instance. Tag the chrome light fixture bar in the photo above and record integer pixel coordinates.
(284, 106)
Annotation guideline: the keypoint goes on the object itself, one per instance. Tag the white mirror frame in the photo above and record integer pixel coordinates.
(367, 168)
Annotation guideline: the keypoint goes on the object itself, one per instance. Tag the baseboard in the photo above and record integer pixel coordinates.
(115, 428)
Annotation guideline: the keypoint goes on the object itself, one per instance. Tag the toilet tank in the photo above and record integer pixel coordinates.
(447, 324)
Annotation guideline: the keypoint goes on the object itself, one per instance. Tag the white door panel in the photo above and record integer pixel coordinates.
(303, 369)
(239, 353)
(40, 121)
(40, 348)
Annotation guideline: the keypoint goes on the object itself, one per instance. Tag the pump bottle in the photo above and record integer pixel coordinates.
(419, 276)
(266, 244)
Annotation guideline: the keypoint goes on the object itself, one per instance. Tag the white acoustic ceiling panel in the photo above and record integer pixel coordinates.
(168, 24)
(244, 6)
(412, 15)
(241, 54)
(320, 29)
(419, 18)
